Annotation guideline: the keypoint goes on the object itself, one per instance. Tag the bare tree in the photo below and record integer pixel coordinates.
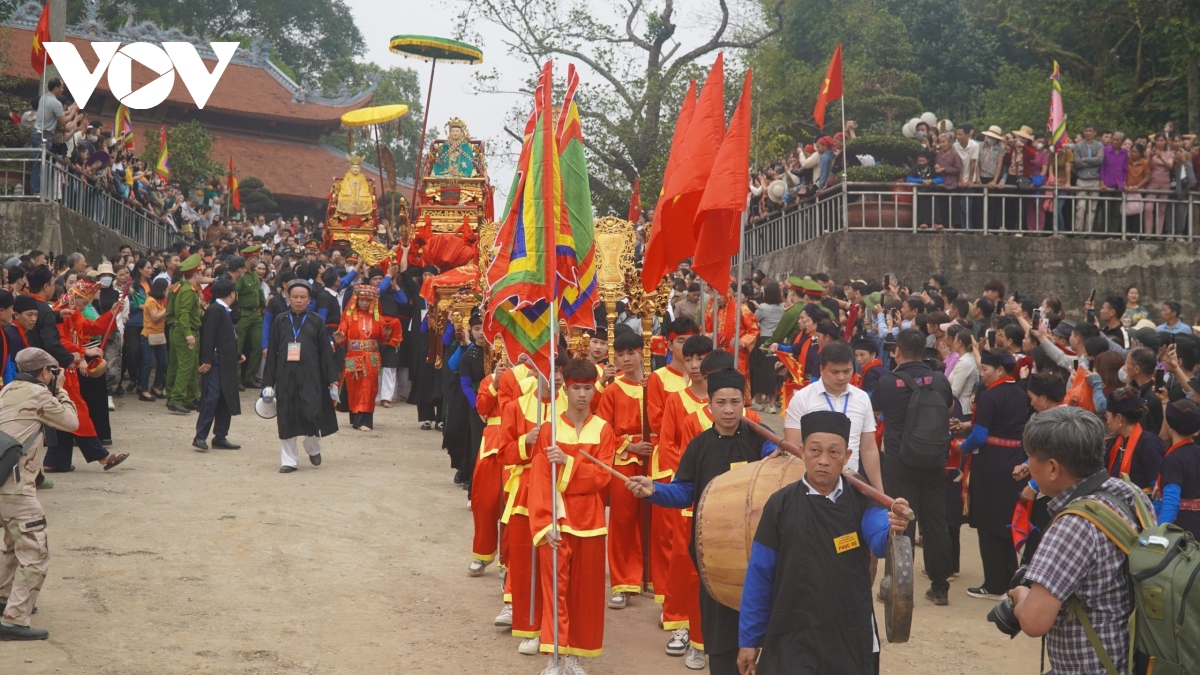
(639, 72)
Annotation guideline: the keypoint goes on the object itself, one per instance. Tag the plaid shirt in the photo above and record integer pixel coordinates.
(1076, 559)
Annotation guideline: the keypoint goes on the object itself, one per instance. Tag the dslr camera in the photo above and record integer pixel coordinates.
(1004, 613)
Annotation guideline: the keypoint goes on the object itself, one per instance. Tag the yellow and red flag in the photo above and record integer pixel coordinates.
(38, 58)
(235, 198)
(831, 89)
(163, 166)
(123, 126)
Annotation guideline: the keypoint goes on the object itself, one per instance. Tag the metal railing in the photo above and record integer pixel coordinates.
(1155, 215)
(61, 184)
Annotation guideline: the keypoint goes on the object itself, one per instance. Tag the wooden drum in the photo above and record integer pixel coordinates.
(727, 518)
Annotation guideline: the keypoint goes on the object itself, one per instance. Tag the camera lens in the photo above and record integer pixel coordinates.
(1005, 618)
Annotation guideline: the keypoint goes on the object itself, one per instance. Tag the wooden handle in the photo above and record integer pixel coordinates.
(606, 467)
(860, 485)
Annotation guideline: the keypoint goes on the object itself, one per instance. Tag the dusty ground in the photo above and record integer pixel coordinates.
(180, 562)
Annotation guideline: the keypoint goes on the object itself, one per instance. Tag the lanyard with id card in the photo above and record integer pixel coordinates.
(293, 348)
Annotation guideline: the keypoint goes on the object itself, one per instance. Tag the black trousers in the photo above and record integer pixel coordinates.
(954, 519)
(999, 560)
(431, 412)
(724, 663)
(925, 491)
(363, 419)
(214, 412)
(58, 456)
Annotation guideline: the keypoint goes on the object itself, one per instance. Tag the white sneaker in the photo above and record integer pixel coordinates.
(552, 669)
(530, 646)
(504, 619)
(573, 666)
(476, 568)
(618, 601)
(679, 643)
(695, 659)
(111, 406)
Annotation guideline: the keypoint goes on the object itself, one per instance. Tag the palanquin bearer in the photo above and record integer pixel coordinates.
(362, 330)
(301, 368)
(806, 602)
(520, 422)
(727, 444)
(622, 406)
(578, 536)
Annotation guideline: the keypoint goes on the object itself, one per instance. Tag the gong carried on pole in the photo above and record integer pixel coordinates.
(898, 609)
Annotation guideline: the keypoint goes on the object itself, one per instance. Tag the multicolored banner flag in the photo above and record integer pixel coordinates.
(578, 299)
(163, 166)
(523, 277)
(235, 198)
(123, 126)
(1057, 124)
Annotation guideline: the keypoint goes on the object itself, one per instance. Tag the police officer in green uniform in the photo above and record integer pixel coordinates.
(251, 303)
(183, 317)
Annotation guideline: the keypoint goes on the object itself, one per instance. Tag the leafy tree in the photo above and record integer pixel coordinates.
(1022, 97)
(188, 146)
(640, 71)
(256, 199)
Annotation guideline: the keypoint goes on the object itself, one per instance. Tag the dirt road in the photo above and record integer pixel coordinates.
(181, 562)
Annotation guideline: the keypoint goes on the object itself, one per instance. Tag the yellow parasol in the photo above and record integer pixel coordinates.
(375, 117)
(430, 48)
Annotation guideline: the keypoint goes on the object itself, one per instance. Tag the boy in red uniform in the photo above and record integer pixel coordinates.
(487, 482)
(621, 406)
(520, 422)
(662, 383)
(573, 494)
(675, 521)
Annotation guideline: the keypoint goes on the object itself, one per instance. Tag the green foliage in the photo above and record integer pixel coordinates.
(893, 150)
(1019, 98)
(881, 173)
(893, 108)
(396, 85)
(256, 199)
(188, 146)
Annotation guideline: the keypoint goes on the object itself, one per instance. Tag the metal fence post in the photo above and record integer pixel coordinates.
(985, 209)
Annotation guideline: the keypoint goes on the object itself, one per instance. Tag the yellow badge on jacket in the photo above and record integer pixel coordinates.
(846, 542)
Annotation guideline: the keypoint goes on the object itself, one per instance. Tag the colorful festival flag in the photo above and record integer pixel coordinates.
(831, 89)
(523, 276)
(1057, 124)
(38, 58)
(236, 199)
(163, 166)
(123, 126)
(578, 299)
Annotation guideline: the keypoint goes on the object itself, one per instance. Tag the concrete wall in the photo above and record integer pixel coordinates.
(25, 226)
(1035, 266)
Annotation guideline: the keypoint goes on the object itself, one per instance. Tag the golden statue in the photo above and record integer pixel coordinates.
(356, 194)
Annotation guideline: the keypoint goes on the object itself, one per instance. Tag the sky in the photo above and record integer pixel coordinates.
(453, 87)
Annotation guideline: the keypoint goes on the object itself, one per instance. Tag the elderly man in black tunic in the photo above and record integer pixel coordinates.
(806, 602)
(301, 368)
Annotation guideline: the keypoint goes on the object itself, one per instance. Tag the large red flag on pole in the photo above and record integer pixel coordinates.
(831, 88)
(653, 259)
(635, 201)
(682, 194)
(38, 58)
(720, 210)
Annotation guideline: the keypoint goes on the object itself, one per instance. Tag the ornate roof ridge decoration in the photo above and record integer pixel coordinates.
(93, 29)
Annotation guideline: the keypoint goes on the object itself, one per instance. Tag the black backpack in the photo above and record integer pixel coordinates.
(925, 443)
(11, 452)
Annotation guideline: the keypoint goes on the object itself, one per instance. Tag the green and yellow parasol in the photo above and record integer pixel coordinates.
(429, 48)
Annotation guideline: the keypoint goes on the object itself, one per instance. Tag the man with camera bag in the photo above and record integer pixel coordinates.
(33, 401)
(1075, 560)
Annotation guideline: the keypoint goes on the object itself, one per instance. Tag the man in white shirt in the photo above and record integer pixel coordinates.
(833, 391)
(968, 152)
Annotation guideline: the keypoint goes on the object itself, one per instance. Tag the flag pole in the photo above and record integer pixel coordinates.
(41, 134)
(845, 139)
(554, 441)
(737, 317)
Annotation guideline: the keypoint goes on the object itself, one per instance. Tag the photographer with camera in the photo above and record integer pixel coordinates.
(31, 406)
(1075, 559)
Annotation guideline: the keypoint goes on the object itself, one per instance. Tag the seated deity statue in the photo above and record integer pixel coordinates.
(355, 194)
(455, 158)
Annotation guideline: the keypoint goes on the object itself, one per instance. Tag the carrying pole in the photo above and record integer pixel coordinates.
(412, 218)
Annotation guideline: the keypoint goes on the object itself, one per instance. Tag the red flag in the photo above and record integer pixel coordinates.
(653, 259)
(38, 58)
(635, 202)
(233, 187)
(832, 87)
(682, 194)
(720, 210)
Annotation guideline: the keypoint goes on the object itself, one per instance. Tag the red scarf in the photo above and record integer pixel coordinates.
(1129, 446)
(867, 368)
(1158, 481)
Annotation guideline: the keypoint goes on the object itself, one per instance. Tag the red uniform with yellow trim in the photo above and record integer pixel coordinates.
(510, 385)
(579, 494)
(746, 338)
(621, 407)
(675, 527)
(487, 483)
(662, 383)
(517, 419)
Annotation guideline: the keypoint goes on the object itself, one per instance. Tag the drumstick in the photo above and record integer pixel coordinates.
(862, 486)
(606, 467)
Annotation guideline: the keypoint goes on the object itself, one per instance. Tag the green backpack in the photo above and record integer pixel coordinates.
(1162, 568)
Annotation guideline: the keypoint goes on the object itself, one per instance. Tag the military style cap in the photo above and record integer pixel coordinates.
(811, 287)
(191, 263)
(252, 249)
